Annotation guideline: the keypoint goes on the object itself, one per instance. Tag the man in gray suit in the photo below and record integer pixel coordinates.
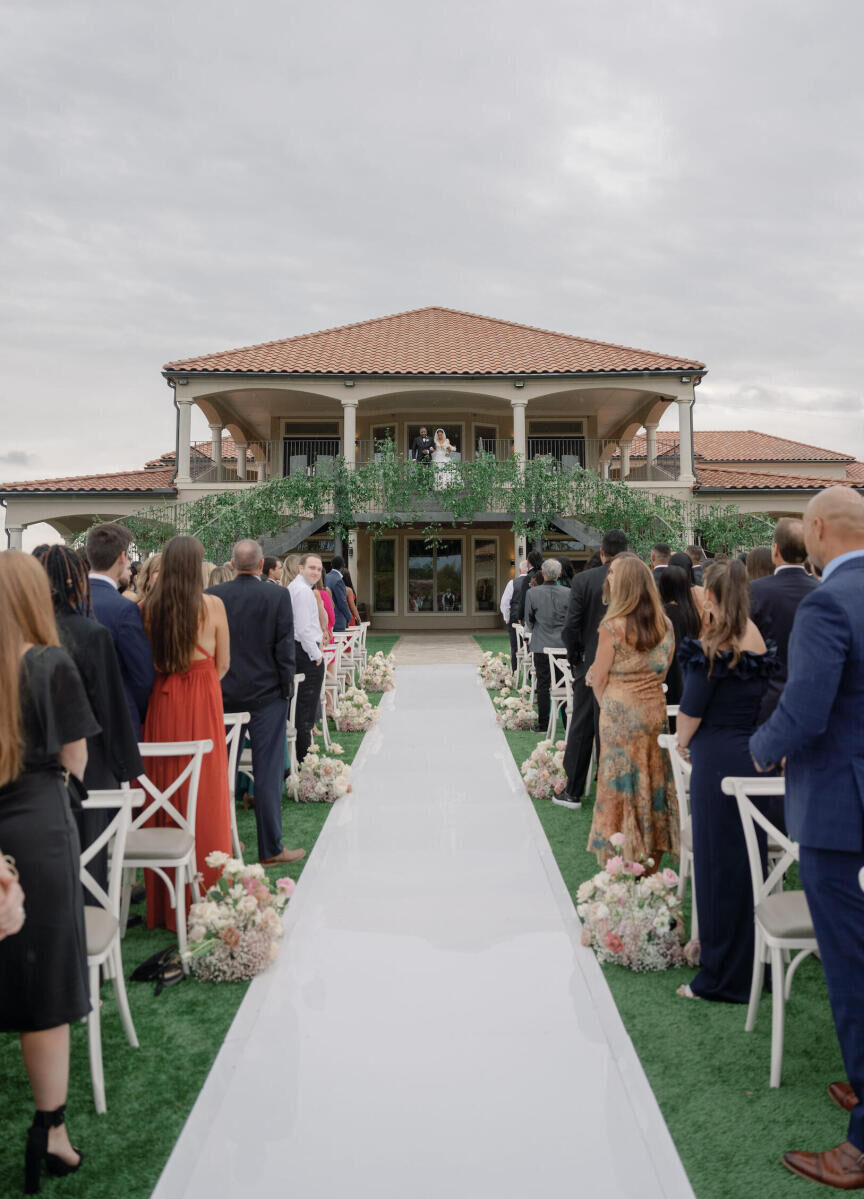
(545, 612)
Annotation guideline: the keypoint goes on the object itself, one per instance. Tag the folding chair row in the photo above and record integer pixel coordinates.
(561, 689)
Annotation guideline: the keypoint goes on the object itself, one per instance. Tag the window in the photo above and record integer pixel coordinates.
(486, 440)
(454, 433)
(384, 595)
(435, 576)
(485, 574)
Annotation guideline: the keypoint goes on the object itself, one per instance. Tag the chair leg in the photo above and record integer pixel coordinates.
(125, 898)
(235, 835)
(121, 996)
(94, 1038)
(683, 872)
(757, 980)
(790, 973)
(180, 888)
(778, 1011)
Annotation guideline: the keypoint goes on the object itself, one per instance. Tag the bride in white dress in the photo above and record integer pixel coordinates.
(442, 449)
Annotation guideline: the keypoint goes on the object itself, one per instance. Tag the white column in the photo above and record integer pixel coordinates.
(685, 436)
(520, 441)
(625, 459)
(349, 431)
(216, 452)
(184, 439)
(651, 445)
(242, 447)
(14, 533)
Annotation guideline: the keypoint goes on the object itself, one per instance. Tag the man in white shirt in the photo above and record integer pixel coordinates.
(307, 648)
(505, 606)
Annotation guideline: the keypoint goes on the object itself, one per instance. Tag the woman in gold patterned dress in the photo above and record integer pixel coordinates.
(635, 789)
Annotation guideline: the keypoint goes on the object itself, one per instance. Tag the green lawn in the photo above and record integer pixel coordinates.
(709, 1076)
(150, 1090)
(493, 643)
(380, 642)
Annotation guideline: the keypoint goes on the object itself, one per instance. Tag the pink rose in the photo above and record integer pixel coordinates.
(617, 839)
(559, 786)
(670, 878)
(586, 937)
(286, 886)
(634, 868)
(614, 943)
(614, 866)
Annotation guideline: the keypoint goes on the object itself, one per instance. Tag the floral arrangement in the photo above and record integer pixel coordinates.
(379, 673)
(323, 779)
(514, 710)
(544, 772)
(632, 918)
(495, 671)
(355, 714)
(234, 931)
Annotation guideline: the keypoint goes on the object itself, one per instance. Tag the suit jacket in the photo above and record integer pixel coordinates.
(523, 593)
(336, 583)
(818, 725)
(516, 597)
(421, 449)
(122, 618)
(774, 601)
(545, 612)
(261, 626)
(658, 570)
(586, 610)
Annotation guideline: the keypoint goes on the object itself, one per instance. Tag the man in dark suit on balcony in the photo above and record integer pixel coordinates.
(333, 579)
(421, 447)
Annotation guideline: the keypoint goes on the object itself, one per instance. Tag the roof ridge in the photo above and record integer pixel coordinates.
(478, 316)
(100, 474)
(794, 441)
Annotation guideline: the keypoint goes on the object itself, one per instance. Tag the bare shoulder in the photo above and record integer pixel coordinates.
(213, 605)
(753, 642)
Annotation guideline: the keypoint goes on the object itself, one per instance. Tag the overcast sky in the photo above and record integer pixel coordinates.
(191, 176)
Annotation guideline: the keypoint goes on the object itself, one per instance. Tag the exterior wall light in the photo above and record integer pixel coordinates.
(685, 378)
(348, 382)
(519, 383)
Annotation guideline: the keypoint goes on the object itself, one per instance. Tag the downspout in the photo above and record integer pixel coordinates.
(173, 387)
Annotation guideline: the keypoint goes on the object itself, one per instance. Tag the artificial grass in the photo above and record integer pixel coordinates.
(492, 643)
(150, 1090)
(710, 1077)
(380, 643)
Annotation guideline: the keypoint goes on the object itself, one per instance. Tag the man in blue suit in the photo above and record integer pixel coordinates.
(107, 553)
(336, 583)
(818, 729)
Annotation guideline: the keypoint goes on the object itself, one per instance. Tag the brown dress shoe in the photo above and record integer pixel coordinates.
(286, 855)
(841, 1168)
(843, 1095)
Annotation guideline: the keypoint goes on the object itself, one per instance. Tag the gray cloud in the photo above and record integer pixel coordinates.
(18, 458)
(180, 179)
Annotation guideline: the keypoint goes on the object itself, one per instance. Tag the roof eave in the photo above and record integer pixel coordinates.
(69, 492)
(175, 372)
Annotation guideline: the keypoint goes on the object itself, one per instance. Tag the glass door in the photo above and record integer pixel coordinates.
(435, 575)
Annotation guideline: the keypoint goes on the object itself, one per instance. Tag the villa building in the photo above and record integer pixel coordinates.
(495, 387)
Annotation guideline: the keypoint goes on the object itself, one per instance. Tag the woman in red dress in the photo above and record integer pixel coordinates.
(188, 634)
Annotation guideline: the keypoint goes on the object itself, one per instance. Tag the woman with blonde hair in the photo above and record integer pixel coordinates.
(635, 789)
(45, 721)
(221, 574)
(290, 569)
(147, 575)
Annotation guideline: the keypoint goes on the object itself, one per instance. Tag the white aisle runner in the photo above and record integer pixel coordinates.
(432, 1026)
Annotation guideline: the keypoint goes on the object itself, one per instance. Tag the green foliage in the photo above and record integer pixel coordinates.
(396, 492)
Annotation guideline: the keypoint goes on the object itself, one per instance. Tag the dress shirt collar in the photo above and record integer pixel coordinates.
(839, 560)
(104, 578)
(788, 566)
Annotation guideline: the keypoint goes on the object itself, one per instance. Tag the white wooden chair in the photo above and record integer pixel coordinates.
(234, 725)
(681, 771)
(291, 734)
(168, 848)
(102, 925)
(524, 661)
(362, 651)
(350, 657)
(782, 919)
(561, 688)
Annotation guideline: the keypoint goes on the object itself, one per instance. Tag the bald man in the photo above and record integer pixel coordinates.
(818, 728)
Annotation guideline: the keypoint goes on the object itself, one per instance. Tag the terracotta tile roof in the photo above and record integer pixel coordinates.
(434, 341)
(855, 473)
(133, 481)
(743, 445)
(201, 449)
(743, 480)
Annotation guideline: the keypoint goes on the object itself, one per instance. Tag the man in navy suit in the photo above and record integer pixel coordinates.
(774, 600)
(107, 553)
(333, 579)
(818, 729)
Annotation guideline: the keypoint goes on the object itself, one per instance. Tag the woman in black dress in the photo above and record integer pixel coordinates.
(44, 722)
(677, 598)
(725, 676)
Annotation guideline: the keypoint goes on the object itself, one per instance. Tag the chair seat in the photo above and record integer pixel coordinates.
(101, 928)
(158, 844)
(786, 915)
(687, 836)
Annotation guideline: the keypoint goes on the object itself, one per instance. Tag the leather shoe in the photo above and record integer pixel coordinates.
(841, 1167)
(843, 1095)
(286, 855)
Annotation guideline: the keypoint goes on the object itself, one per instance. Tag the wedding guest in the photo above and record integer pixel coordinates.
(188, 634)
(336, 584)
(635, 788)
(697, 591)
(324, 599)
(272, 571)
(207, 569)
(351, 596)
(676, 595)
(510, 607)
(307, 648)
(147, 576)
(112, 753)
(725, 676)
(290, 567)
(535, 562)
(579, 635)
(220, 574)
(107, 553)
(759, 563)
(774, 600)
(818, 729)
(261, 682)
(660, 555)
(567, 572)
(545, 612)
(694, 553)
(45, 721)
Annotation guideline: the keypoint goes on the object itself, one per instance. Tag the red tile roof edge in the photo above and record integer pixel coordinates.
(136, 481)
(638, 446)
(715, 478)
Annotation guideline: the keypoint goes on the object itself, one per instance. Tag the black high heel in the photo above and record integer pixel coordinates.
(37, 1150)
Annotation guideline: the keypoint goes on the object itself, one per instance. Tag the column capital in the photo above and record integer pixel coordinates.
(651, 425)
(216, 424)
(189, 400)
(519, 402)
(349, 401)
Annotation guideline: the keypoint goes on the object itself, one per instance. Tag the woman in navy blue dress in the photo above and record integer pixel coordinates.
(725, 676)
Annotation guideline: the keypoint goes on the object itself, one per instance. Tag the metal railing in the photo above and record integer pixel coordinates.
(264, 459)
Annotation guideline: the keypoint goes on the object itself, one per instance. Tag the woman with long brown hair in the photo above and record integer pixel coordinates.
(188, 634)
(45, 720)
(725, 677)
(635, 789)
